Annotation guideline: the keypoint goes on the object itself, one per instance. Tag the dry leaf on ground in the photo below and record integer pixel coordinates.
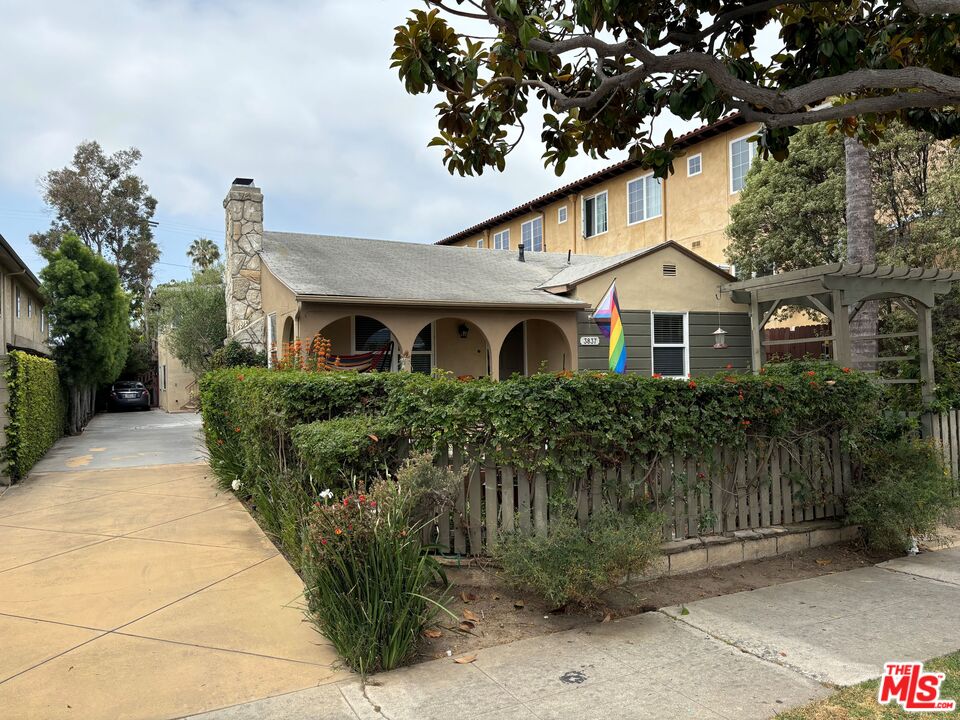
(471, 616)
(465, 659)
(432, 633)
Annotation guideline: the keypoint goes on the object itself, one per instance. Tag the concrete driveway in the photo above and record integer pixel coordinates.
(131, 587)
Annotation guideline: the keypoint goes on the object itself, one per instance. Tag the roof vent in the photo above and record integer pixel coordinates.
(243, 181)
(696, 244)
(669, 270)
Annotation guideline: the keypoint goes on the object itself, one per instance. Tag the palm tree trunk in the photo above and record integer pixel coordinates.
(861, 244)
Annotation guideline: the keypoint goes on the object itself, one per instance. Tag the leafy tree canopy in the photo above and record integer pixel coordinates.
(88, 311)
(192, 317)
(100, 200)
(791, 214)
(604, 69)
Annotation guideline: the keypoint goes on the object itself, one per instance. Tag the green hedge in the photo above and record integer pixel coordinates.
(36, 411)
(557, 423)
(249, 413)
(334, 452)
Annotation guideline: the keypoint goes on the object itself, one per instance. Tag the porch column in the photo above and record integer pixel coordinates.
(841, 329)
(925, 336)
(756, 335)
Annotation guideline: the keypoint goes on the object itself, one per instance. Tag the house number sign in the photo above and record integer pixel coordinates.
(590, 340)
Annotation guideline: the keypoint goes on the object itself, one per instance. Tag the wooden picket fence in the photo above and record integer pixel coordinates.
(761, 485)
(944, 429)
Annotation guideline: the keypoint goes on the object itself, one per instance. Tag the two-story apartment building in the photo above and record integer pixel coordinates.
(625, 208)
(23, 321)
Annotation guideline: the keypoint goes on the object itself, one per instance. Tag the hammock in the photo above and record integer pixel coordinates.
(362, 362)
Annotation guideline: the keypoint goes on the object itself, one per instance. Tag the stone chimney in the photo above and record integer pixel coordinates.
(244, 241)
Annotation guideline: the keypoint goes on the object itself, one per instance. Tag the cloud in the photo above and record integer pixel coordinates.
(297, 94)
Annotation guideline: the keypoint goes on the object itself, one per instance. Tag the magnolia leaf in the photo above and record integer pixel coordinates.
(471, 616)
(465, 659)
(432, 633)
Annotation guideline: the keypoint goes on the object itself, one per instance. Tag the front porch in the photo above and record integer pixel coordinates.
(471, 342)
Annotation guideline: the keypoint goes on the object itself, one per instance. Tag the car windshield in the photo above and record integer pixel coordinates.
(128, 386)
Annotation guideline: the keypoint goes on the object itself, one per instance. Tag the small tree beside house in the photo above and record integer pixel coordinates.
(89, 321)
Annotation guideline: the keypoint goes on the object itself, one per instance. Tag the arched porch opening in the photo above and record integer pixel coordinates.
(459, 347)
(534, 346)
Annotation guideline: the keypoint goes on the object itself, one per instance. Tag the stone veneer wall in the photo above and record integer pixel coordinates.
(244, 240)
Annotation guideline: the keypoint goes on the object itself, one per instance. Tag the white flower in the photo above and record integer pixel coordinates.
(326, 494)
(235, 484)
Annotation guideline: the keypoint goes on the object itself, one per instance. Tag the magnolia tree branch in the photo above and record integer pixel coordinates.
(905, 87)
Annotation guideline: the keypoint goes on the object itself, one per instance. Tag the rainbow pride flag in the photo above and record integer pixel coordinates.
(607, 318)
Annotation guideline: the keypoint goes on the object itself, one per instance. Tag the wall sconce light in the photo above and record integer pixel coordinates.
(462, 331)
(719, 339)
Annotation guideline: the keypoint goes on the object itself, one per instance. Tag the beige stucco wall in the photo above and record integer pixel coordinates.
(642, 285)
(179, 380)
(461, 356)
(24, 330)
(695, 210)
(278, 299)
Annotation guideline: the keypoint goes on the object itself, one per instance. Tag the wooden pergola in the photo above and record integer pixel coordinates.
(839, 291)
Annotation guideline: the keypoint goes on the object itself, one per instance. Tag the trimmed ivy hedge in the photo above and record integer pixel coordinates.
(558, 423)
(36, 411)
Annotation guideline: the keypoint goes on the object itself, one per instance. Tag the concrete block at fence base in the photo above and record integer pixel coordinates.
(658, 568)
(679, 546)
(793, 542)
(771, 531)
(688, 561)
(724, 553)
(746, 534)
(759, 549)
(825, 537)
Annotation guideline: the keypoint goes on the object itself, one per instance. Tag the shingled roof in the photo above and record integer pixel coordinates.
(323, 266)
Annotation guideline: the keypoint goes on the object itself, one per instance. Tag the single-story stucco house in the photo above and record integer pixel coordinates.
(472, 313)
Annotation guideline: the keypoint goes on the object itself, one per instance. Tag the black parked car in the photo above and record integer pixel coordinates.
(129, 394)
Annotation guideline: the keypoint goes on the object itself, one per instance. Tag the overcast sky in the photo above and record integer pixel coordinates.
(298, 95)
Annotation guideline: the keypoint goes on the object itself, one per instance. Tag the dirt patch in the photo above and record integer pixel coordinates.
(489, 616)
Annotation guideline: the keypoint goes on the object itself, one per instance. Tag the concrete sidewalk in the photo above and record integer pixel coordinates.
(143, 592)
(749, 655)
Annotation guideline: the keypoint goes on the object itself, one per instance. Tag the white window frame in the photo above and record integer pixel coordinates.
(16, 292)
(562, 214)
(431, 352)
(480, 244)
(501, 240)
(583, 214)
(271, 325)
(645, 217)
(753, 157)
(685, 345)
(43, 321)
(537, 219)
(162, 377)
(698, 156)
(29, 307)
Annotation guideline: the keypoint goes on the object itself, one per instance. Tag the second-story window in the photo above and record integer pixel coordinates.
(742, 153)
(694, 165)
(561, 215)
(29, 307)
(501, 240)
(595, 214)
(17, 296)
(532, 234)
(644, 199)
(480, 243)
